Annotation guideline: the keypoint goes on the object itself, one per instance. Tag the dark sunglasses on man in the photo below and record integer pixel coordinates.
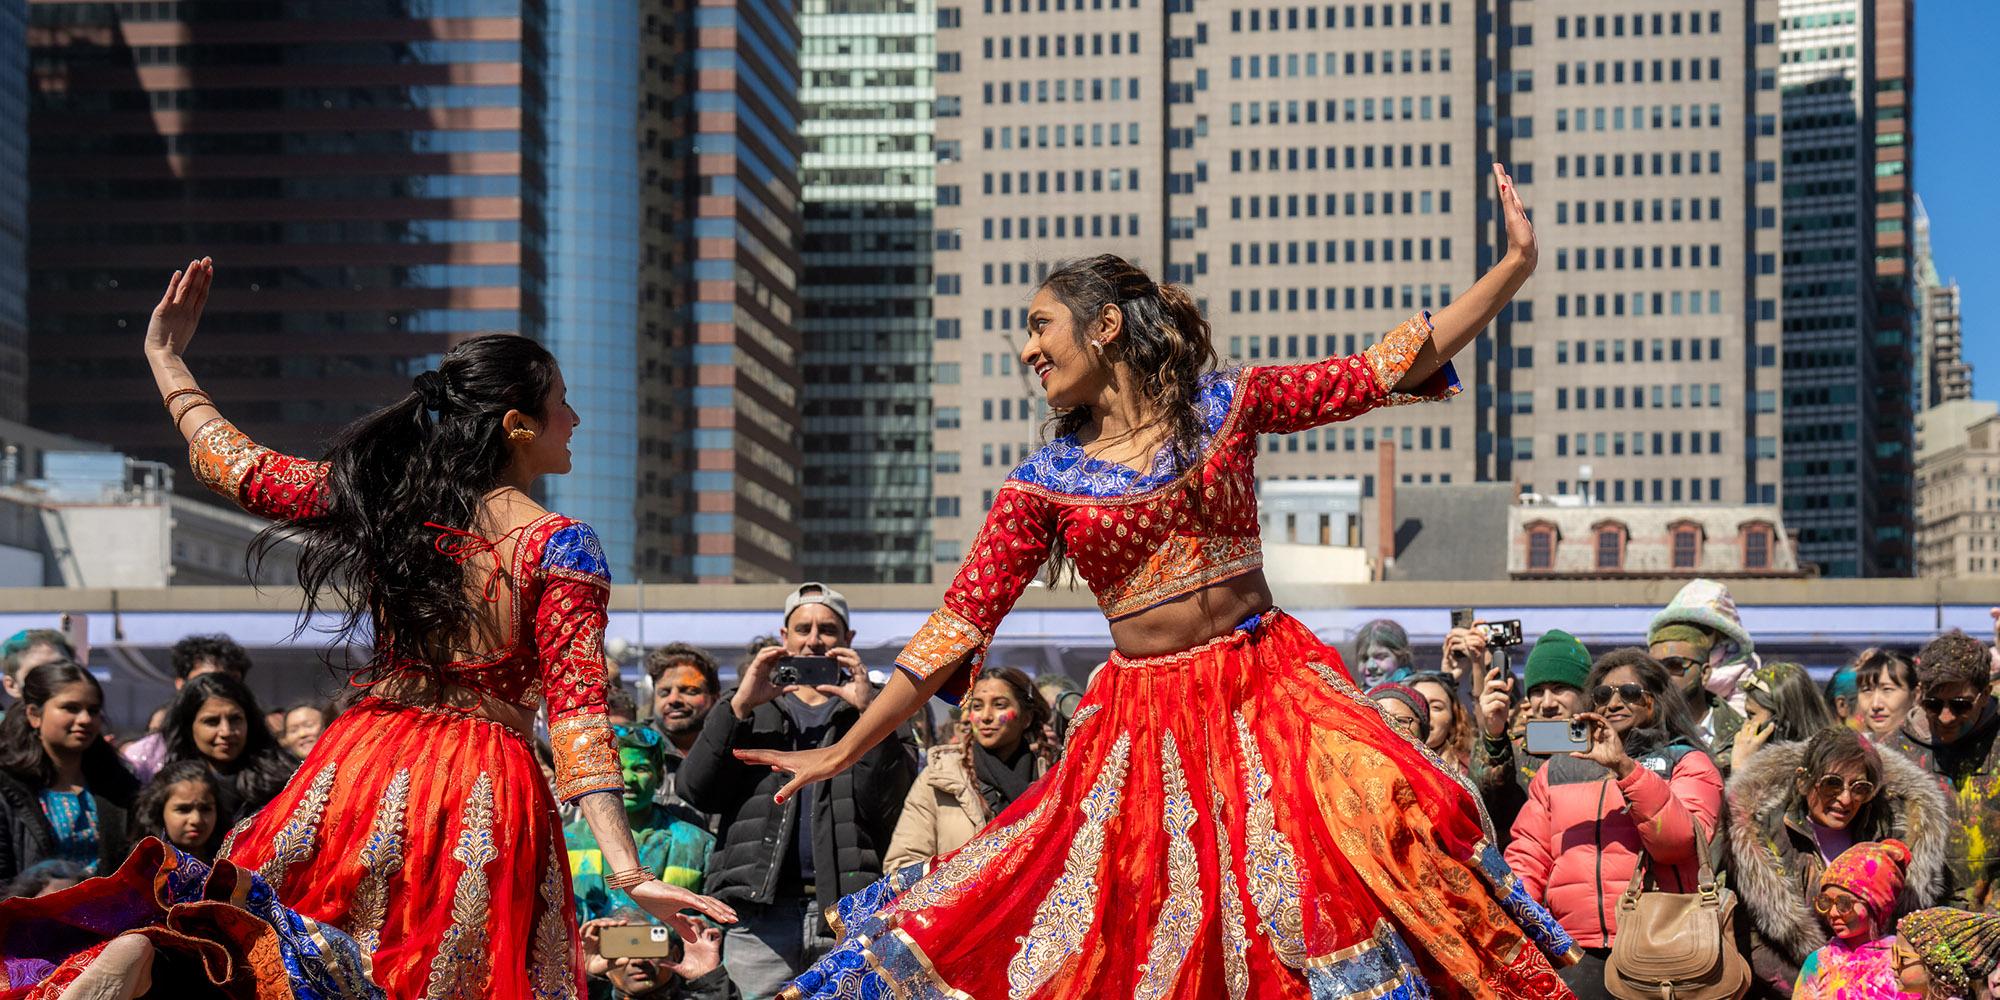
(1679, 666)
(1958, 706)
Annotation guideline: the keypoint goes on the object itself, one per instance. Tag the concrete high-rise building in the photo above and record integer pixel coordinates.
(1942, 372)
(356, 174)
(13, 209)
(869, 193)
(1845, 81)
(1958, 490)
(1321, 173)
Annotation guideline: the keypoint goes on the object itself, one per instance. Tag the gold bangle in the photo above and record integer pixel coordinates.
(190, 406)
(630, 878)
(168, 402)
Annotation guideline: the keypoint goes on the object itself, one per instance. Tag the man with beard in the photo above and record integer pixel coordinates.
(685, 686)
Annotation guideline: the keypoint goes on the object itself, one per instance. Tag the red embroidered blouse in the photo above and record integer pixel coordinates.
(561, 580)
(1137, 540)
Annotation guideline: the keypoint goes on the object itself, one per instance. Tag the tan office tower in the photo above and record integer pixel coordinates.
(1323, 175)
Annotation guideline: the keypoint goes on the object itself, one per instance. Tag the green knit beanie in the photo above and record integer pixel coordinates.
(1558, 658)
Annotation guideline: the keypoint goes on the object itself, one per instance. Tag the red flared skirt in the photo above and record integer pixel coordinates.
(1235, 820)
(431, 837)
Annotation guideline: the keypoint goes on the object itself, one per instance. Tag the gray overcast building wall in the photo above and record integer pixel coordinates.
(868, 190)
(13, 209)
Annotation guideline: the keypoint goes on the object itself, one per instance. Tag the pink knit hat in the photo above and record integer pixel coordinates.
(1874, 873)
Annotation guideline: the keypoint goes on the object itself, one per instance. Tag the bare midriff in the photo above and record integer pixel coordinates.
(1194, 618)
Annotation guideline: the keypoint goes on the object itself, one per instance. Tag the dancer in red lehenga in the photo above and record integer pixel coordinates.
(1232, 817)
(421, 825)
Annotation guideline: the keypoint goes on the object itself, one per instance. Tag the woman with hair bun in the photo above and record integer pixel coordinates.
(420, 825)
(1231, 816)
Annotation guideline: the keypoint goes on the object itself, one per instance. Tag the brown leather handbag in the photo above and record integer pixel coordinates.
(1677, 945)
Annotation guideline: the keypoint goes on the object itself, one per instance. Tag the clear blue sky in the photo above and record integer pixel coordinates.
(1958, 164)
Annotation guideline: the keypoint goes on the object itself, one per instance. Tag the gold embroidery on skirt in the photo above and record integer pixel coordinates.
(381, 859)
(1235, 939)
(462, 951)
(296, 841)
(229, 841)
(1066, 913)
(1082, 714)
(1268, 861)
(550, 967)
(947, 881)
(1180, 915)
(1347, 690)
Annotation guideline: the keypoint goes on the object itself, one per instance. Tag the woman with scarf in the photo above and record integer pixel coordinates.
(1006, 745)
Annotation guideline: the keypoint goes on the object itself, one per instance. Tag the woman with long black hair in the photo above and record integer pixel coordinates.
(420, 824)
(1231, 815)
(64, 794)
(215, 720)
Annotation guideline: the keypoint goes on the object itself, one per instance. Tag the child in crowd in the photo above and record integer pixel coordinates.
(1943, 953)
(179, 806)
(1857, 901)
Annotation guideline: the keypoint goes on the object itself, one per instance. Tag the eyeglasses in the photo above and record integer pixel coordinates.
(1828, 904)
(1959, 706)
(1628, 693)
(1833, 786)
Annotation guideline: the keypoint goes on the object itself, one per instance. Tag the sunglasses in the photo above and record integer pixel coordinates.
(1680, 665)
(1628, 693)
(1959, 706)
(646, 735)
(1829, 904)
(1833, 786)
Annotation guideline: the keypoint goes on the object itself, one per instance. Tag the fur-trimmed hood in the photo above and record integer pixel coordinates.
(1776, 868)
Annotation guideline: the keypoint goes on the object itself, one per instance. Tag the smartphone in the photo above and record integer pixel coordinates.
(76, 628)
(1548, 737)
(1507, 633)
(634, 941)
(1463, 617)
(809, 671)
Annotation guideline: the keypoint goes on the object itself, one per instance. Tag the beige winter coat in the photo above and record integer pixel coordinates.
(943, 811)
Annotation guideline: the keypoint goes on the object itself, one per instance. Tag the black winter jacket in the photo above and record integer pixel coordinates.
(854, 813)
(27, 838)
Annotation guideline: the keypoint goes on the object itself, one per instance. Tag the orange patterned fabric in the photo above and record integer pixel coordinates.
(252, 476)
(1141, 538)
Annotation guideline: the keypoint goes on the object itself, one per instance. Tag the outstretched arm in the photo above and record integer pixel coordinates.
(167, 336)
(897, 701)
(1454, 326)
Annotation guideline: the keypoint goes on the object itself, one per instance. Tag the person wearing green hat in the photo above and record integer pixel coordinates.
(1557, 667)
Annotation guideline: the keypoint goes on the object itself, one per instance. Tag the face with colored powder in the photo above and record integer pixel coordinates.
(996, 714)
(1845, 915)
(642, 778)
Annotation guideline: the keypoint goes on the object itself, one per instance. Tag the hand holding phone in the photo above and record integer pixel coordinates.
(652, 941)
(1548, 737)
(810, 671)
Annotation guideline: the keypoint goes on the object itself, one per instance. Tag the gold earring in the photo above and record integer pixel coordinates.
(521, 435)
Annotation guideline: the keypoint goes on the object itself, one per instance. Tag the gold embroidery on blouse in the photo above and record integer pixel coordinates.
(381, 860)
(1268, 860)
(1391, 357)
(945, 640)
(1180, 915)
(457, 970)
(1235, 937)
(586, 757)
(1182, 564)
(221, 456)
(1067, 911)
(298, 838)
(550, 967)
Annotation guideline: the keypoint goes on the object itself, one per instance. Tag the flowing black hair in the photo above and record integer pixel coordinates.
(261, 769)
(431, 456)
(22, 754)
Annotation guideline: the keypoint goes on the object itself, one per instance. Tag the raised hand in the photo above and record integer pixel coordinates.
(1607, 749)
(179, 312)
(805, 766)
(664, 901)
(1520, 232)
(701, 947)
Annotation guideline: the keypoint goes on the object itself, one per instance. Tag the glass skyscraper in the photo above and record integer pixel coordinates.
(354, 168)
(868, 185)
(583, 298)
(13, 209)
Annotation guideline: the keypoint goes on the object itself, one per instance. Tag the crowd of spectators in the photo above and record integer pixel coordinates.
(1855, 824)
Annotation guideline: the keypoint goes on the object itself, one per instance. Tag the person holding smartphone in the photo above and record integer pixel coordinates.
(625, 952)
(1502, 765)
(784, 864)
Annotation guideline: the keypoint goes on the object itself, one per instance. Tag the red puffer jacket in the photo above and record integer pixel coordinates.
(1577, 841)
